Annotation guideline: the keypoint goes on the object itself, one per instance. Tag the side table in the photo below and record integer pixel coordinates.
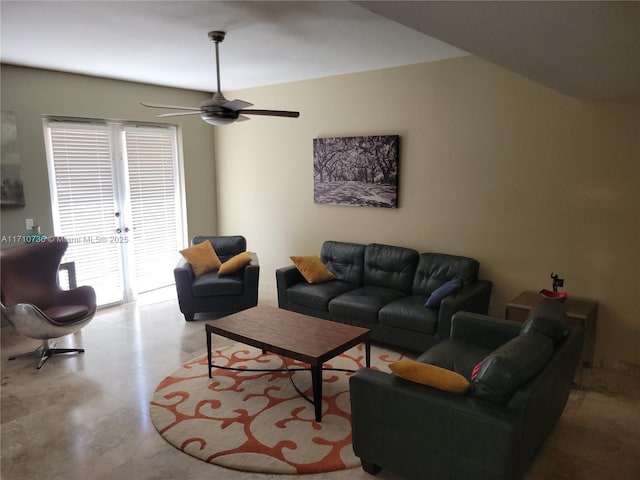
(581, 309)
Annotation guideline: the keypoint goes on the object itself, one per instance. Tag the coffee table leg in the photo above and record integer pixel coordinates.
(367, 353)
(209, 352)
(316, 382)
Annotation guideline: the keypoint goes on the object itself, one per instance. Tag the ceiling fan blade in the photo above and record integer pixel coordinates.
(236, 104)
(175, 107)
(242, 118)
(177, 114)
(272, 113)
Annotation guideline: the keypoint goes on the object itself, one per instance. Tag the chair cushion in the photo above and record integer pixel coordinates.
(408, 313)
(202, 258)
(511, 365)
(226, 246)
(547, 318)
(210, 284)
(66, 313)
(312, 269)
(235, 263)
(430, 375)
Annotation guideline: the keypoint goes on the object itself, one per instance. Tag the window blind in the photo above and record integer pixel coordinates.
(84, 204)
(151, 159)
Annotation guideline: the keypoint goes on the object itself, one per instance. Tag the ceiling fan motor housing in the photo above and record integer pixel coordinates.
(217, 36)
(212, 111)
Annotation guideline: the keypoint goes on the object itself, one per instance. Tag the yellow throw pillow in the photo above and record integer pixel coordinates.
(235, 263)
(427, 374)
(202, 258)
(312, 269)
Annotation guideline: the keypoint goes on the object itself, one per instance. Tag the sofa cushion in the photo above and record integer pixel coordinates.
(363, 303)
(312, 269)
(435, 269)
(409, 313)
(547, 318)
(508, 367)
(202, 258)
(317, 295)
(388, 266)
(344, 259)
(210, 284)
(439, 294)
(235, 263)
(430, 375)
(456, 355)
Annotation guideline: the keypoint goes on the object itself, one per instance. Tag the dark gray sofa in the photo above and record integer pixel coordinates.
(492, 432)
(384, 288)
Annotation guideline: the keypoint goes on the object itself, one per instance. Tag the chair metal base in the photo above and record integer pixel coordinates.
(45, 351)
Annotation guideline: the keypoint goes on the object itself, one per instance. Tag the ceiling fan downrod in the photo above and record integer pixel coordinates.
(216, 37)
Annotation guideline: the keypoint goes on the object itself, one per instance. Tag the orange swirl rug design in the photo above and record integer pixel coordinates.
(256, 421)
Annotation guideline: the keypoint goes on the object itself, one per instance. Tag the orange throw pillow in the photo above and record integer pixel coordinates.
(202, 258)
(430, 375)
(235, 263)
(312, 269)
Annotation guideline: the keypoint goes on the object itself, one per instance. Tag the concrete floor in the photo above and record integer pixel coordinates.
(86, 416)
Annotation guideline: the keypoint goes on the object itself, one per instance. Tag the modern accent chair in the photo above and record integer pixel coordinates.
(213, 293)
(33, 302)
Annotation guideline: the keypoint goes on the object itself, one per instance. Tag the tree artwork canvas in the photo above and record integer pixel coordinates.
(361, 171)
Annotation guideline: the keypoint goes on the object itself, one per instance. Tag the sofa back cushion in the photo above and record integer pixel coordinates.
(225, 246)
(548, 318)
(344, 259)
(436, 269)
(511, 365)
(388, 266)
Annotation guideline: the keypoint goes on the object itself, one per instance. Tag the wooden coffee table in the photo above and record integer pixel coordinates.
(293, 335)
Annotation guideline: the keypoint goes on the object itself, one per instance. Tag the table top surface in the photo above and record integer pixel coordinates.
(576, 307)
(288, 333)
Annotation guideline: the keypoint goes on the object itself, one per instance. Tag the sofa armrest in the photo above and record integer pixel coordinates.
(483, 330)
(285, 277)
(438, 429)
(472, 298)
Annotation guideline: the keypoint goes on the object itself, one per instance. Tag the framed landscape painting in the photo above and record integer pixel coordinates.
(360, 171)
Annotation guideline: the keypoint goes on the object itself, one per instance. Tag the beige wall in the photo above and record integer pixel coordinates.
(492, 166)
(32, 93)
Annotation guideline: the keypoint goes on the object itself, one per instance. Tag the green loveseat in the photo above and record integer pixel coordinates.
(491, 432)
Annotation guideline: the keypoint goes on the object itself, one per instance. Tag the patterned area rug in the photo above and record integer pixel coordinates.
(256, 421)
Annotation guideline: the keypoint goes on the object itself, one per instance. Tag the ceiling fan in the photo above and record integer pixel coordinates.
(219, 110)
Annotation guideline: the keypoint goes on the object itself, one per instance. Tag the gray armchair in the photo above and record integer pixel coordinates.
(211, 293)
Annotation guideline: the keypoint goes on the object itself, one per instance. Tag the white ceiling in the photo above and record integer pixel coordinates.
(585, 49)
(166, 43)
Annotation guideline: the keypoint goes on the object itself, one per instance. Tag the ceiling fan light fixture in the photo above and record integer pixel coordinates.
(216, 119)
